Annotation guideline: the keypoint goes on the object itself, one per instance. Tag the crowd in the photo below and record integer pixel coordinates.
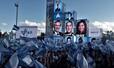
(48, 53)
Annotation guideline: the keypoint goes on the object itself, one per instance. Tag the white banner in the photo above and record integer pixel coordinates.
(27, 31)
(95, 32)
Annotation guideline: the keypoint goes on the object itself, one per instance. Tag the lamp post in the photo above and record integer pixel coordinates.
(17, 5)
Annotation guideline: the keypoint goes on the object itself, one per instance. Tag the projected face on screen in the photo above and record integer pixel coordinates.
(57, 26)
(57, 3)
(69, 27)
(80, 40)
(69, 40)
(81, 27)
(57, 6)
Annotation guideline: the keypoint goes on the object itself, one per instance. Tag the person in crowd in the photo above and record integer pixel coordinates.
(93, 43)
(0, 34)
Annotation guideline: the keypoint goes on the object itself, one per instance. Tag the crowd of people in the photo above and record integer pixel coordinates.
(57, 50)
(50, 53)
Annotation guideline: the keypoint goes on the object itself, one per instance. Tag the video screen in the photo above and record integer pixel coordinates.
(70, 39)
(81, 27)
(69, 27)
(57, 28)
(58, 10)
(57, 6)
(81, 39)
